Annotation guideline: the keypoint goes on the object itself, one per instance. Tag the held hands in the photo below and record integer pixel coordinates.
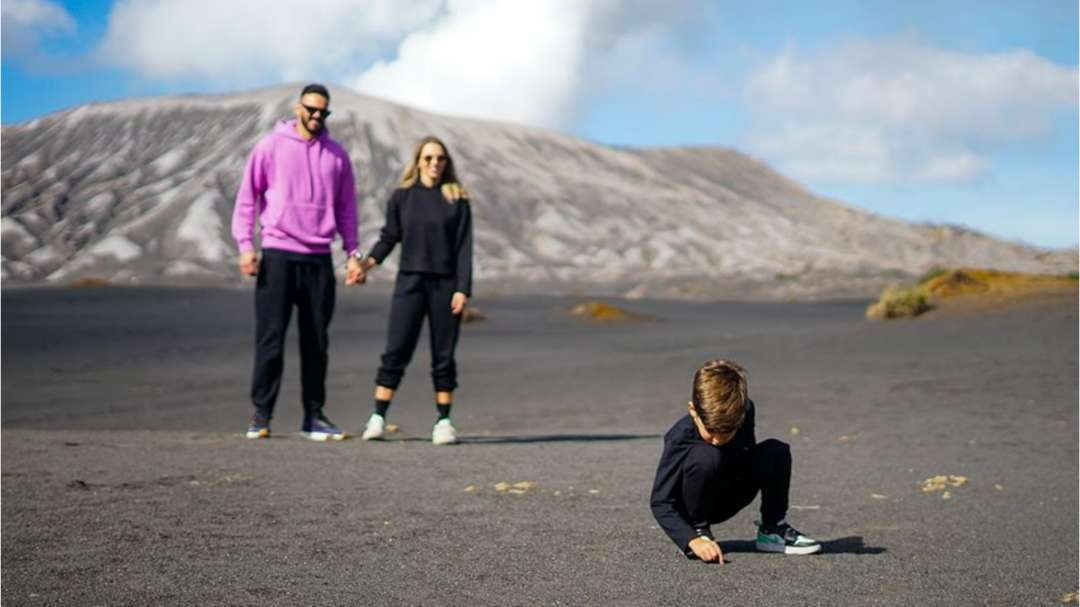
(707, 550)
(249, 263)
(354, 272)
(458, 302)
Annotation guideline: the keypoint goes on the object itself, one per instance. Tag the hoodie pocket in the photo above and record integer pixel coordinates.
(308, 222)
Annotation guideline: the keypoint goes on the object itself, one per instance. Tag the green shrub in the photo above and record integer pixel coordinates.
(898, 302)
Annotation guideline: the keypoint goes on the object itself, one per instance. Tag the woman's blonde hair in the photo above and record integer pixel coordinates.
(719, 398)
(449, 185)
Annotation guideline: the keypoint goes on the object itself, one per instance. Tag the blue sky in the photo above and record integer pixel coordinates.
(962, 112)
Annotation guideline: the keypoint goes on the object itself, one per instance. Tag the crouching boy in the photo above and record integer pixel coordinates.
(712, 467)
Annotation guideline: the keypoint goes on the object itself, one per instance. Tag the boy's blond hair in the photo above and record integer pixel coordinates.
(719, 398)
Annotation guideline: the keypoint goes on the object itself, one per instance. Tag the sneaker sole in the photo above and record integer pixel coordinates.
(324, 436)
(444, 441)
(782, 549)
(258, 434)
(372, 437)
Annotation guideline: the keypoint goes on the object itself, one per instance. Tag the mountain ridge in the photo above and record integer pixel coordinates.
(140, 191)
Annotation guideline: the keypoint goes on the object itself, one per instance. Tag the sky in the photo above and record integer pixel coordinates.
(957, 111)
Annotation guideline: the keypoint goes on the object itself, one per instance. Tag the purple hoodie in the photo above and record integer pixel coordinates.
(303, 190)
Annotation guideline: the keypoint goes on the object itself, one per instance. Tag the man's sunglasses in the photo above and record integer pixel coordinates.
(311, 110)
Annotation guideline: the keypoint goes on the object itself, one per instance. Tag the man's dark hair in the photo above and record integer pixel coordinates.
(318, 89)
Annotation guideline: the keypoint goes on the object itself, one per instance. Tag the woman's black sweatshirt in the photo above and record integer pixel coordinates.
(435, 235)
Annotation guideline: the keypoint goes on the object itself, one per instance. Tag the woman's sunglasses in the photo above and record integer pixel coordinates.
(430, 159)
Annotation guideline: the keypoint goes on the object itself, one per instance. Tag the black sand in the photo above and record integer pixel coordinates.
(126, 480)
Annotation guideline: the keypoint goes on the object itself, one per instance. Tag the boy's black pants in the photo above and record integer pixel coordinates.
(288, 279)
(765, 467)
(416, 295)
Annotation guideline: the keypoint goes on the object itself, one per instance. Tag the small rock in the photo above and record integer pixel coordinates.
(502, 486)
(878, 496)
(392, 428)
(470, 488)
(593, 491)
(794, 430)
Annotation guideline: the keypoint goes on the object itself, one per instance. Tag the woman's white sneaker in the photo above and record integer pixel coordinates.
(375, 428)
(443, 433)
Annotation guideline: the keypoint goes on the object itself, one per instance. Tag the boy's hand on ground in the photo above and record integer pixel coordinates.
(249, 263)
(707, 550)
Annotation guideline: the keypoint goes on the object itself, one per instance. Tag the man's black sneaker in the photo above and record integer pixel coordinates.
(318, 427)
(258, 427)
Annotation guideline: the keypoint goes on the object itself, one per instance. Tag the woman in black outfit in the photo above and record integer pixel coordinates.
(429, 215)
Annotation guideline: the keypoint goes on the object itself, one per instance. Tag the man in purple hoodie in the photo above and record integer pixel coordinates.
(300, 185)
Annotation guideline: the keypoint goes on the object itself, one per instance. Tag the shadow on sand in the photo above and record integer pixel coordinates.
(553, 438)
(537, 438)
(852, 544)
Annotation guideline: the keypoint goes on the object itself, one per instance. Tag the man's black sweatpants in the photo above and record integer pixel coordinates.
(288, 279)
(416, 295)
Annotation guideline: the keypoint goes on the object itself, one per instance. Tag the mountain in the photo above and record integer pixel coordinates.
(141, 191)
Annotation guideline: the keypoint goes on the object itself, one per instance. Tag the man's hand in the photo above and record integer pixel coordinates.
(249, 263)
(707, 550)
(458, 302)
(354, 272)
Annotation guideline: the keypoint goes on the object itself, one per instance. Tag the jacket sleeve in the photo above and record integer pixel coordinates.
(464, 247)
(390, 234)
(345, 207)
(249, 198)
(696, 497)
(666, 498)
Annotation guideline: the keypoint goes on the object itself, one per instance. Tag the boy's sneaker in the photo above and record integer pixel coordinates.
(785, 539)
(258, 427)
(443, 433)
(318, 427)
(375, 428)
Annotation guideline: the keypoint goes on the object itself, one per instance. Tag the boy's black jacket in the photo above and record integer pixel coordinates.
(693, 474)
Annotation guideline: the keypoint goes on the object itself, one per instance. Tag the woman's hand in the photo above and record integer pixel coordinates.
(707, 550)
(458, 302)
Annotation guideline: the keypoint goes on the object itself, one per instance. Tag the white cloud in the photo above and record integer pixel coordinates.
(520, 61)
(499, 59)
(25, 21)
(899, 109)
(244, 41)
